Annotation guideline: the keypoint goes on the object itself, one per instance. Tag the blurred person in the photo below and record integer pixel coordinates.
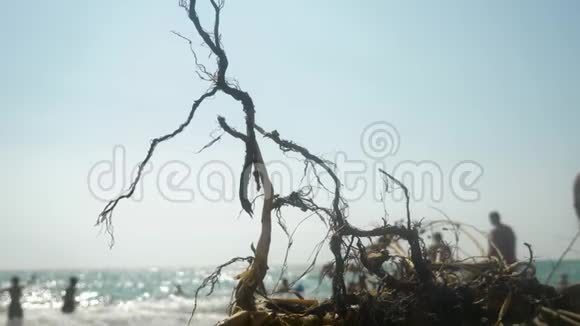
(299, 288)
(15, 291)
(178, 291)
(439, 251)
(503, 239)
(284, 287)
(69, 302)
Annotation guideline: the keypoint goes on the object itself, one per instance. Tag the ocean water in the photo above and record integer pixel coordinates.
(131, 297)
(145, 297)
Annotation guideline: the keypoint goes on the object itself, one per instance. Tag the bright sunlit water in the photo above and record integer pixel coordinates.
(145, 297)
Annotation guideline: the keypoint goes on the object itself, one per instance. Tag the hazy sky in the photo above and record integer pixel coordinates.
(492, 82)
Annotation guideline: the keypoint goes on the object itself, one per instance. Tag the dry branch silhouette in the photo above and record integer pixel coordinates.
(420, 284)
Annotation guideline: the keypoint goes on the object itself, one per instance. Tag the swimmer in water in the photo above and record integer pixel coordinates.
(284, 287)
(15, 291)
(178, 291)
(69, 302)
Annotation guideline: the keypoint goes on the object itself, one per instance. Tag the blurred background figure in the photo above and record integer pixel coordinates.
(15, 291)
(69, 301)
(502, 239)
(178, 291)
(299, 288)
(284, 287)
(439, 251)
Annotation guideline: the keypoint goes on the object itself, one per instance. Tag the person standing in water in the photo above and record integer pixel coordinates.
(502, 239)
(284, 287)
(15, 291)
(69, 302)
(439, 251)
(178, 291)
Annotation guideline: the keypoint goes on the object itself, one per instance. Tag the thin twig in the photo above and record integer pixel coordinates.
(562, 257)
(106, 215)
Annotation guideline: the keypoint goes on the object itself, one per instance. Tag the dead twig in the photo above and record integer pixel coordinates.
(213, 279)
(106, 215)
(557, 265)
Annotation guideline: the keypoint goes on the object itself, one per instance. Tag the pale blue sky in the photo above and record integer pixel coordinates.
(496, 82)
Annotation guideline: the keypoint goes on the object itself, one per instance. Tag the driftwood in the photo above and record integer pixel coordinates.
(423, 293)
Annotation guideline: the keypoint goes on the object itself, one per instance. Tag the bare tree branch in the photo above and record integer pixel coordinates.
(208, 145)
(416, 251)
(201, 71)
(564, 253)
(106, 215)
(338, 285)
(339, 230)
(213, 279)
